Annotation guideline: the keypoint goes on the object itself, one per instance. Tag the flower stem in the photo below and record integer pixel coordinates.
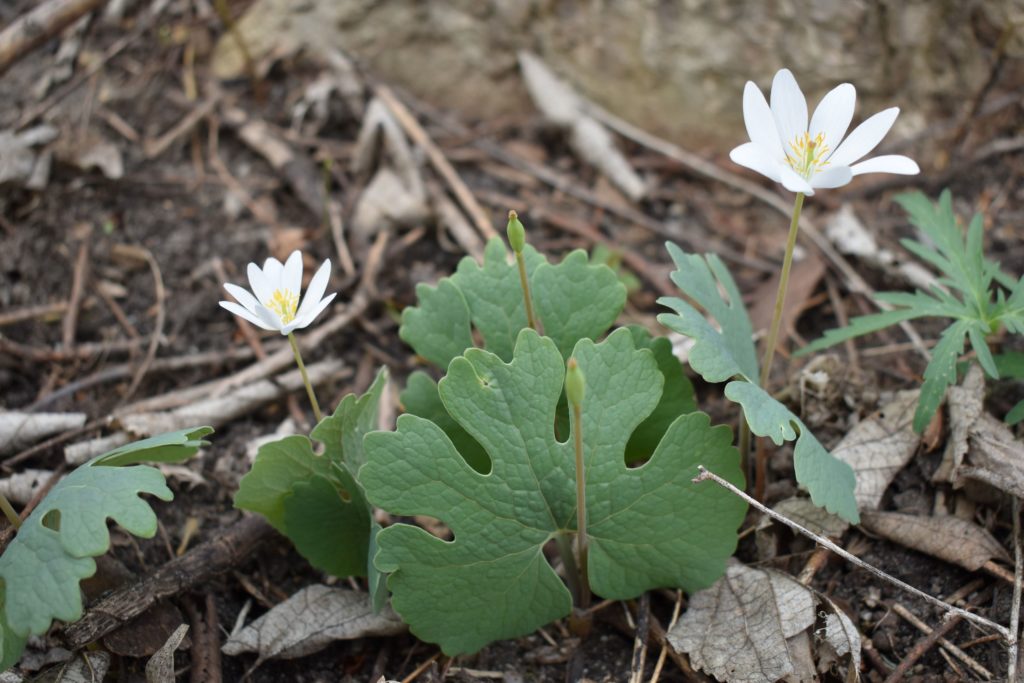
(572, 572)
(305, 377)
(531, 318)
(9, 513)
(760, 466)
(780, 297)
(581, 507)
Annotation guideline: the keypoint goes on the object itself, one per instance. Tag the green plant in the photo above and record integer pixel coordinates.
(53, 549)
(498, 453)
(972, 291)
(728, 355)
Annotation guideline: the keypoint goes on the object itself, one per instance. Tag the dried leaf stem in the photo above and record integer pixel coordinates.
(973, 618)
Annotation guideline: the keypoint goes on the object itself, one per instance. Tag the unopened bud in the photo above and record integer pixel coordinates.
(516, 233)
(574, 383)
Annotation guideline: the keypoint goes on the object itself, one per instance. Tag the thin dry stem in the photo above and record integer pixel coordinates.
(1018, 571)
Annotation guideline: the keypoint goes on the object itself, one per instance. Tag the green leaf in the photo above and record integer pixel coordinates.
(717, 355)
(859, 326)
(53, 549)
(677, 397)
(314, 499)
(11, 644)
(573, 300)
(1016, 414)
(1010, 364)
(829, 480)
(493, 581)
(940, 373)
(420, 398)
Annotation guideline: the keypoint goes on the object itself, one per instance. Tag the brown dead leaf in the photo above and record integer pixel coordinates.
(160, 668)
(965, 403)
(955, 540)
(803, 279)
(757, 625)
(879, 447)
(996, 456)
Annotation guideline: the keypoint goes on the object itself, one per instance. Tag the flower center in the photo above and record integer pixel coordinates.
(808, 156)
(284, 303)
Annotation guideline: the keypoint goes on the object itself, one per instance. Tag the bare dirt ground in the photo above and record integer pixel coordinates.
(80, 304)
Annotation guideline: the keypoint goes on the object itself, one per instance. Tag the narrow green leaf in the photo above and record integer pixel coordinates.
(829, 480)
(940, 373)
(1010, 364)
(170, 447)
(1016, 414)
(859, 326)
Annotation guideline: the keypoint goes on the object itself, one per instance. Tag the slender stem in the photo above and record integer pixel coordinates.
(572, 572)
(9, 512)
(581, 506)
(305, 377)
(821, 540)
(780, 297)
(531, 318)
(744, 446)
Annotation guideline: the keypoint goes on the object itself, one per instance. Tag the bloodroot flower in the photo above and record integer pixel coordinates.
(784, 148)
(277, 287)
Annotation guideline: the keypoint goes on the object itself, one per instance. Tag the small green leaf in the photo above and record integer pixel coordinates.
(1010, 364)
(1016, 414)
(11, 644)
(717, 355)
(574, 300)
(53, 549)
(314, 499)
(829, 480)
(493, 581)
(940, 373)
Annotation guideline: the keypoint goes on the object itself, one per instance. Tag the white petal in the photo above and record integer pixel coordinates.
(269, 317)
(794, 182)
(242, 313)
(309, 317)
(316, 289)
(756, 158)
(833, 115)
(757, 116)
(242, 295)
(291, 278)
(272, 269)
(788, 106)
(261, 286)
(291, 327)
(837, 176)
(889, 163)
(864, 137)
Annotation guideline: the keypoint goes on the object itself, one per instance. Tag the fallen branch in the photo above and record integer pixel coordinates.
(31, 30)
(226, 550)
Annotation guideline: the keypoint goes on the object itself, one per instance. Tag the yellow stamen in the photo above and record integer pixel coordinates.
(284, 303)
(809, 156)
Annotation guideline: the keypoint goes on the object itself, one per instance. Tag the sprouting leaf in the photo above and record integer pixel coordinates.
(309, 621)
(729, 353)
(973, 293)
(718, 355)
(493, 578)
(830, 481)
(53, 549)
(1016, 414)
(573, 300)
(314, 499)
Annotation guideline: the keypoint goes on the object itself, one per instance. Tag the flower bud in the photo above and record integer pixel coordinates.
(574, 383)
(516, 233)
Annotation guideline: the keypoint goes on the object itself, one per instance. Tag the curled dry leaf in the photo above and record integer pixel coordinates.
(310, 620)
(85, 667)
(160, 667)
(755, 625)
(948, 538)
(965, 403)
(18, 430)
(588, 138)
(879, 447)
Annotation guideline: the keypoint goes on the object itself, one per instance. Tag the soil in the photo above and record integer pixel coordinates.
(179, 210)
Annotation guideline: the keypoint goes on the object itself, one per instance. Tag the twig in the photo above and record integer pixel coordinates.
(705, 475)
(228, 548)
(421, 668)
(34, 28)
(75, 299)
(643, 614)
(158, 326)
(921, 647)
(656, 674)
(945, 644)
(31, 312)
(415, 131)
(1018, 570)
(80, 352)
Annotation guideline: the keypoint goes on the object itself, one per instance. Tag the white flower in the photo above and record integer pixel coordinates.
(277, 287)
(783, 147)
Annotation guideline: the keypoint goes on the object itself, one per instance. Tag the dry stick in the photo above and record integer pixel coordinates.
(420, 669)
(1018, 571)
(158, 325)
(705, 475)
(656, 674)
(34, 28)
(75, 299)
(921, 647)
(415, 131)
(32, 312)
(709, 170)
(945, 644)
